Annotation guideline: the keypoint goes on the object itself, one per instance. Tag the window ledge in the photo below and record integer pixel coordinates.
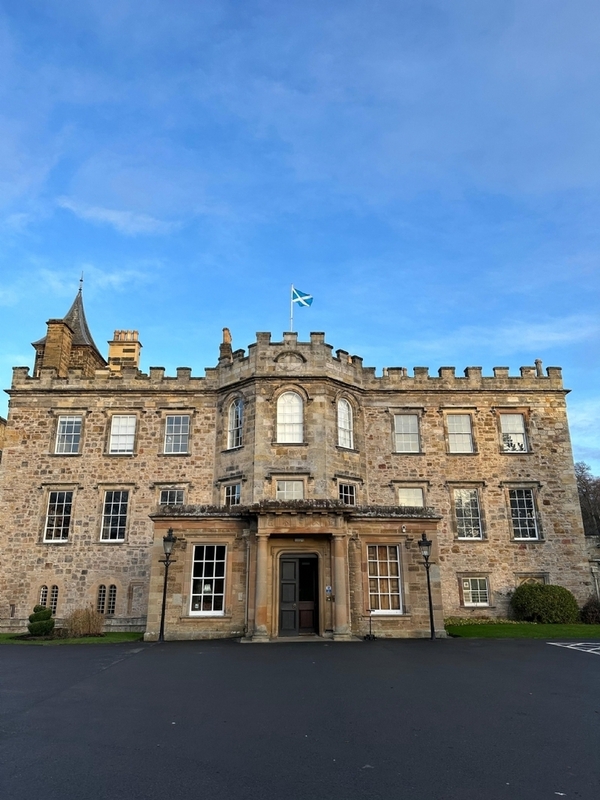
(474, 453)
(111, 541)
(66, 455)
(408, 453)
(515, 453)
(346, 449)
(196, 617)
(289, 444)
(173, 455)
(470, 539)
(527, 541)
(55, 541)
(233, 449)
(121, 455)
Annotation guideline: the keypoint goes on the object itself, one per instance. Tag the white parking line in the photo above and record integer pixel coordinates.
(586, 647)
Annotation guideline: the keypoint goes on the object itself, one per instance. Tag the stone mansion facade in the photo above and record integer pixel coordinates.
(296, 481)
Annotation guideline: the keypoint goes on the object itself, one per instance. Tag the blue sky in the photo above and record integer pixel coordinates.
(429, 171)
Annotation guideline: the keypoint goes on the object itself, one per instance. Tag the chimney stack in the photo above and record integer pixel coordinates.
(124, 350)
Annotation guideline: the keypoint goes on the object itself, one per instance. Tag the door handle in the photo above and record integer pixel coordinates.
(294, 605)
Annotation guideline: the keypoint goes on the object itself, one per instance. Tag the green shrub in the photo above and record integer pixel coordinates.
(544, 603)
(590, 613)
(41, 622)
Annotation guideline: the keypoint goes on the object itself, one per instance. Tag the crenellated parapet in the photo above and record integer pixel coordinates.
(298, 360)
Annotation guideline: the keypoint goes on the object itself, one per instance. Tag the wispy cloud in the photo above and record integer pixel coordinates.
(512, 337)
(127, 222)
(64, 282)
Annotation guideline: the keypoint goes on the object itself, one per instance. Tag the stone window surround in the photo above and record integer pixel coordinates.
(409, 484)
(231, 431)
(114, 487)
(480, 486)
(525, 412)
(55, 486)
(536, 488)
(126, 412)
(471, 412)
(396, 411)
(188, 558)
(475, 574)
(405, 576)
(172, 411)
(56, 413)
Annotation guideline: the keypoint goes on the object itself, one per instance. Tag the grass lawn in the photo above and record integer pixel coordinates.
(526, 630)
(107, 638)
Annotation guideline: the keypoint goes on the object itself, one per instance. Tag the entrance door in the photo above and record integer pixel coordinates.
(298, 608)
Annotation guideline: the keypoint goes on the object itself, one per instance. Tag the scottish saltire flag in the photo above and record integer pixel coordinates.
(301, 298)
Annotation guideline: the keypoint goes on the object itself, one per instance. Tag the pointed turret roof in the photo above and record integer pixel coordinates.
(75, 319)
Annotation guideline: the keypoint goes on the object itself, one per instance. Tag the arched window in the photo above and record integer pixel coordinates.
(290, 426)
(234, 425)
(345, 426)
(54, 598)
(101, 603)
(44, 596)
(112, 600)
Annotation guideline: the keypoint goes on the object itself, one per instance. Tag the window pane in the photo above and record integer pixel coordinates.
(68, 435)
(290, 418)
(513, 433)
(290, 490)
(522, 510)
(347, 493)
(233, 494)
(345, 427)
(406, 433)
(122, 434)
(112, 600)
(54, 599)
(177, 432)
(410, 497)
(171, 497)
(460, 439)
(234, 433)
(114, 519)
(384, 591)
(466, 506)
(58, 518)
(475, 592)
(208, 593)
(101, 603)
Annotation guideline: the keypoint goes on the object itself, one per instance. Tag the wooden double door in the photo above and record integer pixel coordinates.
(298, 595)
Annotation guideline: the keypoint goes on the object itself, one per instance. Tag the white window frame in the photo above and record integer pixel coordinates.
(468, 590)
(407, 437)
(287, 489)
(345, 420)
(68, 435)
(290, 418)
(235, 424)
(177, 434)
(513, 437)
(122, 434)
(347, 493)
(460, 435)
(120, 515)
(464, 520)
(381, 581)
(520, 503)
(400, 489)
(233, 494)
(163, 497)
(210, 580)
(58, 515)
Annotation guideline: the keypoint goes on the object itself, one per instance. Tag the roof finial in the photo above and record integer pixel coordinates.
(81, 282)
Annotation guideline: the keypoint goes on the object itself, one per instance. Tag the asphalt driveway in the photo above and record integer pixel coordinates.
(221, 721)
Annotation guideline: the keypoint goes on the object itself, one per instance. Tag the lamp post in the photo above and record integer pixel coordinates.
(425, 548)
(168, 542)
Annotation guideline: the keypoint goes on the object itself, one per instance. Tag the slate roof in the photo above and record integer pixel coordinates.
(75, 319)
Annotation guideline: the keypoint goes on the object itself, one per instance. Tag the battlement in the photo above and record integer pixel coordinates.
(289, 359)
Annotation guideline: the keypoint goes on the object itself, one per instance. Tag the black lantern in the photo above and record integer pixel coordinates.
(425, 550)
(168, 544)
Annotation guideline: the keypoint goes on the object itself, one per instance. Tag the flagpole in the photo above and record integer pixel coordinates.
(292, 308)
